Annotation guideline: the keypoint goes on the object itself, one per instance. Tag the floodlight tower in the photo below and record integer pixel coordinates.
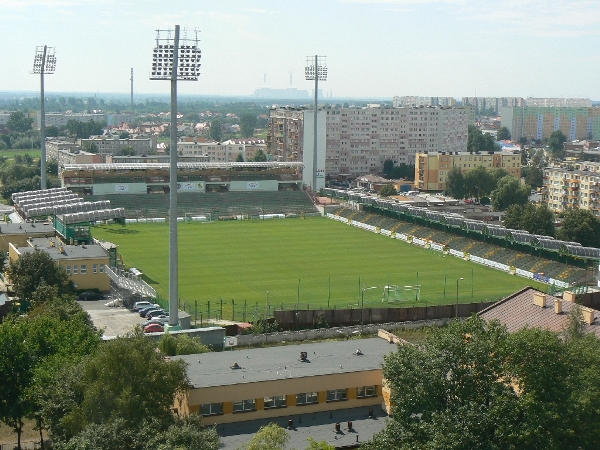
(43, 62)
(174, 59)
(315, 69)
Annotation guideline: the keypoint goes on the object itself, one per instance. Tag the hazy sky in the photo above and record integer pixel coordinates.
(374, 48)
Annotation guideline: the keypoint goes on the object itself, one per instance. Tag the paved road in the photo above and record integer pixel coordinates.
(114, 321)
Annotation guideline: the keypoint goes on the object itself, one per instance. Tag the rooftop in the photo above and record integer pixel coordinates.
(27, 228)
(69, 251)
(518, 311)
(276, 363)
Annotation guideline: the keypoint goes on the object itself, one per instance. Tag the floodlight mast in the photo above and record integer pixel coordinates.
(43, 62)
(165, 66)
(316, 69)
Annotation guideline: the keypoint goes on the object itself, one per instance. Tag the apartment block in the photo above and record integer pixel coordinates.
(112, 144)
(226, 151)
(410, 100)
(482, 104)
(572, 188)
(559, 102)
(537, 122)
(360, 140)
(432, 168)
(60, 119)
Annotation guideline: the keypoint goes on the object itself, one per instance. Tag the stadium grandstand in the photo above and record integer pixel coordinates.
(209, 190)
(544, 256)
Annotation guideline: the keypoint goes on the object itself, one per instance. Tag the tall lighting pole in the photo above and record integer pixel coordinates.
(43, 62)
(456, 310)
(316, 69)
(174, 59)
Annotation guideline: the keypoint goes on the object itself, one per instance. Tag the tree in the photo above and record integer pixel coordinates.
(128, 150)
(239, 157)
(388, 166)
(580, 226)
(269, 437)
(387, 190)
(475, 140)
(474, 385)
(478, 182)
(455, 183)
(259, 156)
(556, 144)
(90, 147)
(52, 131)
(509, 192)
(113, 383)
(186, 434)
(32, 269)
(216, 132)
(503, 134)
(247, 124)
(533, 176)
(18, 122)
(314, 445)
(124, 135)
(531, 218)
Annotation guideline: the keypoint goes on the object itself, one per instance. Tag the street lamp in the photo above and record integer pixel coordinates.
(456, 309)
(266, 317)
(174, 59)
(43, 62)
(315, 69)
(362, 306)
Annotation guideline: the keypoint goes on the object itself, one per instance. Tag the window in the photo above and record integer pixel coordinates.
(244, 405)
(275, 402)
(68, 270)
(211, 409)
(95, 268)
(366, 391)
(75, 270)
(337, 395)
(101, 268)
(83, 269)
(306, 398)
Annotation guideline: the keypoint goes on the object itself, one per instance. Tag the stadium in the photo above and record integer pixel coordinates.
(242, 269)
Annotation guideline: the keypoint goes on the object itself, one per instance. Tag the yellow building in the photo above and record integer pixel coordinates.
(572, 188)
(85, 264)
(263, 383)
(431, 169)
(19, 233)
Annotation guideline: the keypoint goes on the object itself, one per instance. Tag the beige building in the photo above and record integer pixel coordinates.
(226, 151)
(260, 383)
(431, 169)
(285, 132)
(19, 233)
(112, 144)
(85, 264)
(572, 188)
(60, 119)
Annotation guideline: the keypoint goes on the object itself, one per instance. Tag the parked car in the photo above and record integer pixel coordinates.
(158, 312)
(140, 305)
(154, 328)
(143, 311)
(157, 320)
(90, 295)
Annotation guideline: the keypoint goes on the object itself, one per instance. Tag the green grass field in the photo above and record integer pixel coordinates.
(295, 259)
(10, 154)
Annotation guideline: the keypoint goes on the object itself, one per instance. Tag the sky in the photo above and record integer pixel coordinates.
(374, 48)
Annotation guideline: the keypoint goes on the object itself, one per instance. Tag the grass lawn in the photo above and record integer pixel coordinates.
(294, 260)
(10, 154)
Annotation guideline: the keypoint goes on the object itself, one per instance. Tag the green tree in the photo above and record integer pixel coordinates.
(269, 437)
(478, 182)
(474, 385)
(187, 345)
(52, 131)
(580, 226)
(531, 218)
(32, 269)
(90, 147)
(128, 150)
(259, 156)
(314, 445)
(387, 190)
(247, 124)
(509, 192)
(503, 134)
(455, 183)
(388, 166)
(556, 144)
(239, 157)
(533, 176)
(186, 434)
(475, 140)
(124, 135)
(18, 122)
(216, 132)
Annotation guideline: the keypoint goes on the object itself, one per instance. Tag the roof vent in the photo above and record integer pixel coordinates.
(539, 299)
(358, 352)
(304, 357)
(236, 366)
(558, 306)
(588, 315)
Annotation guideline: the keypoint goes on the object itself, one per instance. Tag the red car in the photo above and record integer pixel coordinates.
(154, 328)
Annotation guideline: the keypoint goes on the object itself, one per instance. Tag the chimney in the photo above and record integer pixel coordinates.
(588, 315)
(558, 306)
(569, 296)
(539, 299)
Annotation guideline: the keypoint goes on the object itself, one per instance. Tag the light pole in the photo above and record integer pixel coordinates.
(315, 69)
(362, 306)
(456, 309)
(266, 317)
(174, 59)
(43, 62)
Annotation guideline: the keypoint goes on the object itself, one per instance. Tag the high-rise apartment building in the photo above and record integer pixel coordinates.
(432, 168)
(360, 140)
(411, 100)
(572, 188)
(536, 122)
(493, 104)
(559, 102)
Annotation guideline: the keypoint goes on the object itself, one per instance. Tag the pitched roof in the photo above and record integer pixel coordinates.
(518, 311)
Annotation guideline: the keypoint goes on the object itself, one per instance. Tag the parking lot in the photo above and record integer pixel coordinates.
(114, 320)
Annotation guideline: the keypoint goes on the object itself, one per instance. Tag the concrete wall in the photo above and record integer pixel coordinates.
(262, 185)
(119, 188)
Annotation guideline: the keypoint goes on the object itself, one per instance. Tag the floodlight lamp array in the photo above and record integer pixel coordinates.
(49, 65)
(188, 61)
(320, 70)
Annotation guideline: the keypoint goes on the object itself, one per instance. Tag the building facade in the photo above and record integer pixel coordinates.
(431, 169)
(113, 145)
(360, 140)
(410, 100)
(559, 102)
(60, 119)
(537, 122)
(572, 188)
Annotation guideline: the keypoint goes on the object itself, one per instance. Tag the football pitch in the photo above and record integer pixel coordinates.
(301, 263)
